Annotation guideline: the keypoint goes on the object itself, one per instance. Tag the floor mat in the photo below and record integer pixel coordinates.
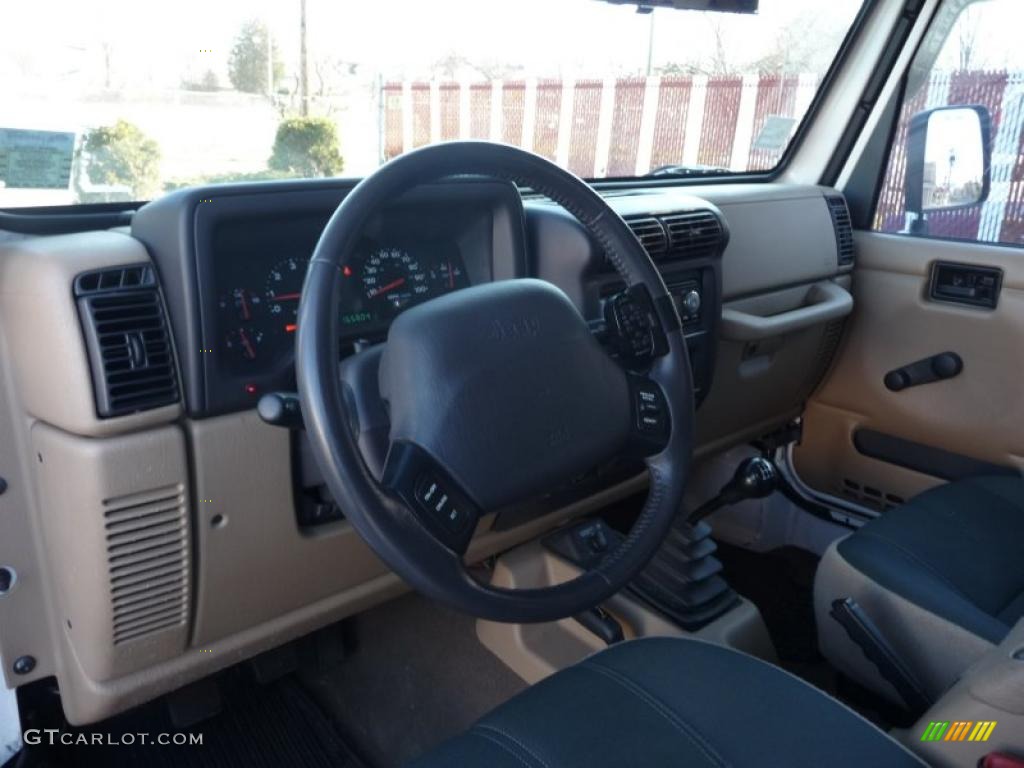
(780, 583)
(277, 725)
(417, 675)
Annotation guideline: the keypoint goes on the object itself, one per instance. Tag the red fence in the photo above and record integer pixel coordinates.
(1001, 217)
(628, 126)
(612, 127)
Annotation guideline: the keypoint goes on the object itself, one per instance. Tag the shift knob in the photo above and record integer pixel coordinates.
(755, 478)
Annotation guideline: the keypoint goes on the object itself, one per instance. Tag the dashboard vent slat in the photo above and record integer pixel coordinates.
(843, 226)
(650, 233)
(129, 341)
(676, 236)
(693, 234)
(147, 557)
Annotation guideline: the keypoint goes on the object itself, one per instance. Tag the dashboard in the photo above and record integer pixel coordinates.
(262, 548)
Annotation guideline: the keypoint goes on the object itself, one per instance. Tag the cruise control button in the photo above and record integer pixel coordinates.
(650, 411)
(427, 490)
(437, 502)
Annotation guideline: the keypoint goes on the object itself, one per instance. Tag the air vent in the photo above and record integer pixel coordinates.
(651, 234)
(689, 235)
(869, 496)
(693, 234)
(128, 339)
(115, 279)
(147, 555)
(843, 226)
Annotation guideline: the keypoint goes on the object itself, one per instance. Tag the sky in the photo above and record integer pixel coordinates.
(154, 42)
(68, 65)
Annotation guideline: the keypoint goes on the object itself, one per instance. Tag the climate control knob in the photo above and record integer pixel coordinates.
(691, 303)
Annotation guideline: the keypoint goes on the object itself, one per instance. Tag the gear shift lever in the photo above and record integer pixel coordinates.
(755, 478)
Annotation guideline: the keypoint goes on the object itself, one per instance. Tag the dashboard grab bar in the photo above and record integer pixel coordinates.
(827, 301)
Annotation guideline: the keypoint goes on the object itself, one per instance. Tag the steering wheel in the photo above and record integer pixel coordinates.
(491, 395)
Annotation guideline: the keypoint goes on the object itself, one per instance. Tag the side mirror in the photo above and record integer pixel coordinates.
(949, 160)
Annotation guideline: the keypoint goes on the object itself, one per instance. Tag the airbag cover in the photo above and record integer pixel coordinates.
(504, 385)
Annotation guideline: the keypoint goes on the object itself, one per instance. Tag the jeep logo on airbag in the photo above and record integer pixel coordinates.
(517, 328)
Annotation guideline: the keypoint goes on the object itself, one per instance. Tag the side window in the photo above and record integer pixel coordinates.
(956, 168)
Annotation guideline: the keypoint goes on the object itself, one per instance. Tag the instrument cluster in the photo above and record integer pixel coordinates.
(253, 251)
(259, 319)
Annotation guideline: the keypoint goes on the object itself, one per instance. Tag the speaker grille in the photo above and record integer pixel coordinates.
(147, 554)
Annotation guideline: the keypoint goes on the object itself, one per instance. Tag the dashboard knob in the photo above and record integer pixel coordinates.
(691, 303)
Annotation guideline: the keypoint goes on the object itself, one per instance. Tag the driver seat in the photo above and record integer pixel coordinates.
(670, 702)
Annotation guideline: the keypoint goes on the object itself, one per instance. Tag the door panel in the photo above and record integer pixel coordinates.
(978, 414)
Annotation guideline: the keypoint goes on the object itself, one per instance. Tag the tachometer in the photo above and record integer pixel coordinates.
(283, 291)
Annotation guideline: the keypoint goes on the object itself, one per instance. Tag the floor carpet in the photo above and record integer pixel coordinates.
(278, 725)
(416, 675)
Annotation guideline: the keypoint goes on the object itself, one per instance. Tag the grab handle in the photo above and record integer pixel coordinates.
(829, 301)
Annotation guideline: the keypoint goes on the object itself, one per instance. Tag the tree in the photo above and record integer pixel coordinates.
(121, 155)
(247, 62)
(208, 82)
(307, 146)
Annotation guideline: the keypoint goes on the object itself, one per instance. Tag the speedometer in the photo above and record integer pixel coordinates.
(394, 277)
(382, 280)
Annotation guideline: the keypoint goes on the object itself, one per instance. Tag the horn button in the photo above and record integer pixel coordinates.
(504, 387)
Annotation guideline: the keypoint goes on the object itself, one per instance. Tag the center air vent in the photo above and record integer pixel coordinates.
(129, 343)
(650, 233)
(693, 234)
(684, 235)
(843, 227)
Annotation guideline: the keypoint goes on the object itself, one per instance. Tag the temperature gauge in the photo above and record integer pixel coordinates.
(244, 343)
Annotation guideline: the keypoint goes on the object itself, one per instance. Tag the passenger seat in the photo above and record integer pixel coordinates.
(942, 577)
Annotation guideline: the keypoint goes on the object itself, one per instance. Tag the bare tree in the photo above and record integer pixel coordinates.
(967, 35)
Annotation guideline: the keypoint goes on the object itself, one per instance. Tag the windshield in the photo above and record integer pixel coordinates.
(114, 100)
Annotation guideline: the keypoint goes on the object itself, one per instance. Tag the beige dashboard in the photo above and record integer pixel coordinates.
(152, 549)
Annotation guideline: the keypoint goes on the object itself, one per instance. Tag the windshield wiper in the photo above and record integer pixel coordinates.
(689, 170)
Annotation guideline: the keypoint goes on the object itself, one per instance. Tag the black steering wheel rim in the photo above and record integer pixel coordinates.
(384, 521)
